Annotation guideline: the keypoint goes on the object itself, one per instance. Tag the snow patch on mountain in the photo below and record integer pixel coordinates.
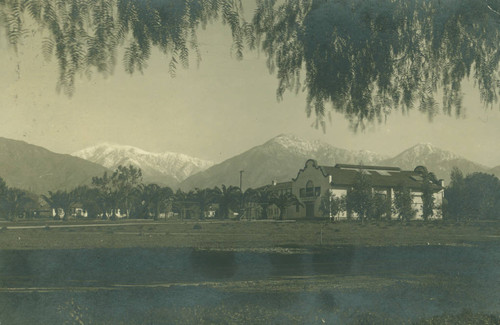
(295, 144)
(423, 153)
(325, 153)
(175, 165)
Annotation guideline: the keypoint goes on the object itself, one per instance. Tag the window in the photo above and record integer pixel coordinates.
(310, 191)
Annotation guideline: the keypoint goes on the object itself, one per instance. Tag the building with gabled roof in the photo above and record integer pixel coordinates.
(315, 181)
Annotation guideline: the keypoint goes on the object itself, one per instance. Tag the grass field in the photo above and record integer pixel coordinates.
(246, 235)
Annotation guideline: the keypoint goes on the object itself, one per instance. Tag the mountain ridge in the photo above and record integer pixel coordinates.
(39, 170)
(165, 168)
(436, 160)
(282, 156)
(277, 159)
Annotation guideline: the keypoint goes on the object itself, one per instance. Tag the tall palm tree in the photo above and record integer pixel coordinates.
(167, 197)
(59, 200)
(203, 198)
(106, 195)
(154, 198)
(147, 195)
(283, 201)
(228, 198)
(89, 198)
(264, 197)
(181, 202)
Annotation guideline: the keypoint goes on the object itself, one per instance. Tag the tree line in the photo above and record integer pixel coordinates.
(123, 193)
(15, 202)
(474, 196)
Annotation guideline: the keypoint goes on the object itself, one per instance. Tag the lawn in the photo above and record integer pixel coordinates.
(244, 235)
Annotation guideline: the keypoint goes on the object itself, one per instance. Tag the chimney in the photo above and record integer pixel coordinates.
(441, 182)
(330, 179)
(274, 182)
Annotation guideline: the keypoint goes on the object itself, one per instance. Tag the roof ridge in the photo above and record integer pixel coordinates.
(352, 166)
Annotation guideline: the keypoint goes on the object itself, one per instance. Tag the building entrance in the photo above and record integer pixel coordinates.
(309, 209)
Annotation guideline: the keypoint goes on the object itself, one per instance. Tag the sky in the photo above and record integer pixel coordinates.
(218, 110)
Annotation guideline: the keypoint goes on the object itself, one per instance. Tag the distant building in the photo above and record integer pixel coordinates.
(314, 181)
(77, 210)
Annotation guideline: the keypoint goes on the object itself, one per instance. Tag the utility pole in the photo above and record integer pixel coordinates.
(241, 190)
(330, 192)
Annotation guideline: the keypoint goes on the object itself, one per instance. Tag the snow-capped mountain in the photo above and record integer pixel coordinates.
(39, 170)
(281, 157)
(437, 160)
(325, 153)
(166, 168)
(278, 159)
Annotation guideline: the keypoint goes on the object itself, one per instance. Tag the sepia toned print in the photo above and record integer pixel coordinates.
(249, 162)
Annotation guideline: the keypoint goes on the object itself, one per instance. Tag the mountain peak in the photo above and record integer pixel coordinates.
(425, 149)
(166, 167)
(286, 138)
(292, 142)
(425, 145)
(277, 159)
(437, 160)
(106, 147)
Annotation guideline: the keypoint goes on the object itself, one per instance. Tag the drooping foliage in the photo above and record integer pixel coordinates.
(368, 57)
(364, 58)
(84, 35)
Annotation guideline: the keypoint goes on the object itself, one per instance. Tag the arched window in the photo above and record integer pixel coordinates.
(309, 188)
(310, 191)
